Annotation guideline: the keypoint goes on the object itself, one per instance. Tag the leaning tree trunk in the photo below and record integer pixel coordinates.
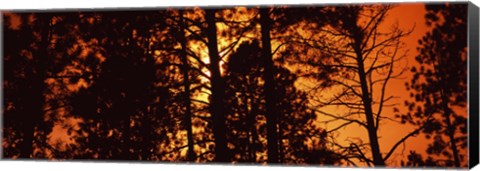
(271, 113)
(367, 104)
(217, 90)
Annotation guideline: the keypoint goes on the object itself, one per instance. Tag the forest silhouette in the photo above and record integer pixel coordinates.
(247, 85)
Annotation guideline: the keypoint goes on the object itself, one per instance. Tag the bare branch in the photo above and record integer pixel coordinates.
(341, 118)
(416, 131)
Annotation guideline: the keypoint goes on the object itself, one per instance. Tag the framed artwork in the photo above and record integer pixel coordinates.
(388, 85)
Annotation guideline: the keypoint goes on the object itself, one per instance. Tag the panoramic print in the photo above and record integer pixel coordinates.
(353, 85)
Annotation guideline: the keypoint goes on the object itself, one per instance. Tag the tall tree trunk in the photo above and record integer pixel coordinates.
(252, 130)
(186, 85)
(126, 134)
(33, 115)
(33, 105)
(447, 113)
(451, 132)
(244, 95)
(126, 108)
(367, 104)
(249, 153)
(147, 128)
(147, 136)
(218, 91)
(281, 152)
(271, 113)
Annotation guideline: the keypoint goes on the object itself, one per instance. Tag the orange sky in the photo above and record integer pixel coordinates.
(407, 16)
